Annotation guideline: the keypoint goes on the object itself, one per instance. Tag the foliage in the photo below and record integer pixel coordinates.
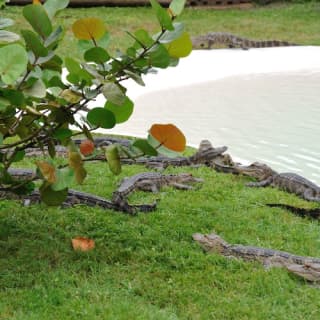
(38, 108)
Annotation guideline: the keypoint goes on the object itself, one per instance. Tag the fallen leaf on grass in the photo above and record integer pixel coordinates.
(82, 244)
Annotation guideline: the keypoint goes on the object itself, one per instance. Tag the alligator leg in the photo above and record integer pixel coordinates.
(263, 183)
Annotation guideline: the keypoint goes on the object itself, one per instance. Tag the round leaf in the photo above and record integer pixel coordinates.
(122, 113)
(7, 36)
(13, 62)
(101, 117)
(51, 197)
(169, 136)
(97, 55)
(88, 29)
(145, 147)
(180, 47)
(113, 158)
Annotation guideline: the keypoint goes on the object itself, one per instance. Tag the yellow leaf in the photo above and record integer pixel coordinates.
(180, 47)
(169, 136)
(70, 96)
(47, 170)
(76, 163)
(82, 244)
(36, 2)
(89, 29)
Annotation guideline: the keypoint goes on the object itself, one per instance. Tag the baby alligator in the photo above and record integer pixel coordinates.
(306, 267)
(232, 41)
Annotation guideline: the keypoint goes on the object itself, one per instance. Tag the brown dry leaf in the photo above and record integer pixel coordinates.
(169, 136)
(47, 170)
(88, 29)
(82, 244)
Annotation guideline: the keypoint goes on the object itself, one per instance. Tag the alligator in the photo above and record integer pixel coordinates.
(306, 267)
(302, 212)
(151, 181)
(232, 41)
(266, 176)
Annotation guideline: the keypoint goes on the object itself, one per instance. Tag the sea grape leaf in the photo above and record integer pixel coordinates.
(76, 163)
(103, 42)
(13, 61)
(169, 136)
(34, 44)
(38, 18)
(135, 76)
(51, 197)
(180, 47)
(113, 93)
(162, 15)
(101, 117)
(8, 36)
(47, 170)
(159, 57)
(89, 29)
(6, 22)
(177, 6)
(113, 158)
(37, 90)
(64, 178)
(169, 36)
(19, 156)
(53, 6)
(97, 55)
(123, 112)
(62, 134)
(145, 147)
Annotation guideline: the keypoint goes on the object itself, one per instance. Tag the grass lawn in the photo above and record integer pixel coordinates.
(147, 266)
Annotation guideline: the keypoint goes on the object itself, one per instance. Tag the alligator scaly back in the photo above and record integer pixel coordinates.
(230, 40)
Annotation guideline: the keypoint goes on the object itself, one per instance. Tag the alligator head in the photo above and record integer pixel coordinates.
(257, 170)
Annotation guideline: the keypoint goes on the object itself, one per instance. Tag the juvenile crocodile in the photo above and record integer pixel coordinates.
(306, 267)
(151, 181)
(232, 41)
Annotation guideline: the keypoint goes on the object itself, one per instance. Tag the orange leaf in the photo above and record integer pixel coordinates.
(47, 170)
(169, 136)
(36, 2)
(86, 147)
(89, 29)
(82, 244)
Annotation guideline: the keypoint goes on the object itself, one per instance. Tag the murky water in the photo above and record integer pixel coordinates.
(273, 118)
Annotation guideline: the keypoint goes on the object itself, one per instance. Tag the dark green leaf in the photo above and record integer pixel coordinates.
(160, 57)
(14, 96)
(97, 55)
(51, 197)
(162, 15)
(101, 117)
(123, 112)
(37, 16)
(34, 44)
(62, 134)
(145, 147)
(53, 64)
(19, 156)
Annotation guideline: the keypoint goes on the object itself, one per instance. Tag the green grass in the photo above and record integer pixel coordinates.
(148, 266)
(297, 23)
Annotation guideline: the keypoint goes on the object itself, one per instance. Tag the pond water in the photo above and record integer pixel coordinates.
(270, 117)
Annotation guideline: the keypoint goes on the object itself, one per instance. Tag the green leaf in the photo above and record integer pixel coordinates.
(169, 36)
(103, 42)
(180, 47)
(37, 90)
(143, 37)
(135, 76)
(62, 134)
(162, 150)
(101, 117)
(145, 147)
(176, 6)
(162, 15)
(160, 57)
(15, 97)
(64, 178)
(6, 22)
(51, 197)
(123, 112)
(97, 55)
(7, 36)
(53, 64)
(54, 37)
(37, 16)
(113, 158)
(1, 139)
(72, 65)
(13, 62)
(34, 44)
(53, 6)
(113, 93)
(19, 156)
